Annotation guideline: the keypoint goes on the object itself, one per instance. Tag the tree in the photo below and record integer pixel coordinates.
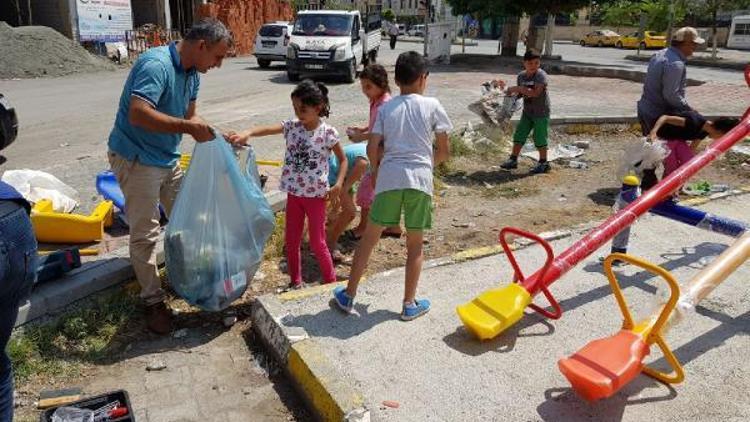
(712, 8)
(628, 12)
(511, 10)
(389, 15)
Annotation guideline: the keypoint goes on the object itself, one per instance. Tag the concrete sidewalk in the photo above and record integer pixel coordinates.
(436, 371)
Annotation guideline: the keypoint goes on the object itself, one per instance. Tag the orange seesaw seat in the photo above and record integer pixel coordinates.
(604, 366)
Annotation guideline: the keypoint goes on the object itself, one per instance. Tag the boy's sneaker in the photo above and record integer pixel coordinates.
(509, 164)
(343, 300)
(540, 168)
(415, 310)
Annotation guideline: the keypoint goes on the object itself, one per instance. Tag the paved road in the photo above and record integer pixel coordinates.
(436, 371)
(616, 58)
(65, 121)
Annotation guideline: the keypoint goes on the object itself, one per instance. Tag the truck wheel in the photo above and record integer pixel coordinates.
(643, 45)
(293, 77)
(264, 64)
(351, 76)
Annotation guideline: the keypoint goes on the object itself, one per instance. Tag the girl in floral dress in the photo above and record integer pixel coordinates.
(304, 177)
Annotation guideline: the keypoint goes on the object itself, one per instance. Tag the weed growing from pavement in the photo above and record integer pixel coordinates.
(458, 145)
(508, 192)
(275, 244)
(84, 335)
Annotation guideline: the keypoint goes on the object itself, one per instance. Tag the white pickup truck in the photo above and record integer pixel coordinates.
(332, 42)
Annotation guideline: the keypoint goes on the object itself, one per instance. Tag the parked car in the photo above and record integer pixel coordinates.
(8, 123)
(272, 42)
(651, 39)
(416, 31)
(401, 29)
(600, 38)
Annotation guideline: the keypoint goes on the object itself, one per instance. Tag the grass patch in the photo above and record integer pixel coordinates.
(508, 192)
(275, 244)
(458, 145)
(83, 335)
(582, 129)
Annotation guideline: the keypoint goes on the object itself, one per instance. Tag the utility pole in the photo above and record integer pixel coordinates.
(427, 4)
(28, 6)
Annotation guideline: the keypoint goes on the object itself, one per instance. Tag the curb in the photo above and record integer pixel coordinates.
(330, 395)
(420, 41)
(720, 64)
(109, 270)
(561, 67)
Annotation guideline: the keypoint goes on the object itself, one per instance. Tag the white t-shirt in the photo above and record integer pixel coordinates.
(407, 124)
(305, 171)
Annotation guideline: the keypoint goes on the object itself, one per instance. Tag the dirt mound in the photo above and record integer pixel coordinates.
(38, 51)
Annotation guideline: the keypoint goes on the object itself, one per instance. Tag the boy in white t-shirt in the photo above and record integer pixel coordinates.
(403, 179)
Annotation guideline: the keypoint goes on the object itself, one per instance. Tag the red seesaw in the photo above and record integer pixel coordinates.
(495, 310)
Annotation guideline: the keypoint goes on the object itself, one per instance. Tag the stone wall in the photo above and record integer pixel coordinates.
(245, 17)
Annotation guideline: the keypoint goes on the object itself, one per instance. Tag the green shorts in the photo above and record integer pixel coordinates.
(540, 125)
(416, 206)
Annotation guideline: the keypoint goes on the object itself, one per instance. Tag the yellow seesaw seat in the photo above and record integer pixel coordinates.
(494, 311)
(55, 227)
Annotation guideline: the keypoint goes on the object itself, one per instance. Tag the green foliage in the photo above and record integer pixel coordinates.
(389, 15)
(628, 13)
(86, 334)
(275, 245)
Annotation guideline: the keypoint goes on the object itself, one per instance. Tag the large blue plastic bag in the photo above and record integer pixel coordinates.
(218, 228)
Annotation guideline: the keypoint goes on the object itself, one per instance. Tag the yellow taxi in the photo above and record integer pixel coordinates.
(651, 39)
(600, 38)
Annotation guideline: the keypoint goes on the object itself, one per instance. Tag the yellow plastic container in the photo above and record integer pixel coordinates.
(55, 227)
(494, 311)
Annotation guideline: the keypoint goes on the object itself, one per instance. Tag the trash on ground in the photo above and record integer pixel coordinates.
(578, 164)
(156, 365)
(743, 149)
(392, 404)
(36, 185)
(582, 144)
(554, 153)
(218, 228)
(704, 188)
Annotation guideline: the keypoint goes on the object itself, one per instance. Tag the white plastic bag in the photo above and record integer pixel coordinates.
(36, 185)
(642, 155)
(218, 228)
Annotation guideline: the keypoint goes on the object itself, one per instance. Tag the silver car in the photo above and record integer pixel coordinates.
(271, 43)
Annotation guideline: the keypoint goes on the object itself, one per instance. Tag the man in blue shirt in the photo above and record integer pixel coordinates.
(156, 108)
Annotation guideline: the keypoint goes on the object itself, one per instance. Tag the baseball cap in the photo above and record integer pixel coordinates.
(688, 33)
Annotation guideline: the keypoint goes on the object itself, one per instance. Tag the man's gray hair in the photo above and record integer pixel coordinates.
(210, 30)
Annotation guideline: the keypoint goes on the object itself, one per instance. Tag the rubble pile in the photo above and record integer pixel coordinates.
(38, 51)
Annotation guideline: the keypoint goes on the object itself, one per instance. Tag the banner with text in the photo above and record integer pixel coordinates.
(104, 20)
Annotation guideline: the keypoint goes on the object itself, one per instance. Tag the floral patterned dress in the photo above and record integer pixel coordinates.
(305, 171)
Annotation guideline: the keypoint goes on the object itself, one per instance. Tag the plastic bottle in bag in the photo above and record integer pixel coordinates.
(218, 228)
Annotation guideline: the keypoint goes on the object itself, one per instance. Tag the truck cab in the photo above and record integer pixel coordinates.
(331, 42)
